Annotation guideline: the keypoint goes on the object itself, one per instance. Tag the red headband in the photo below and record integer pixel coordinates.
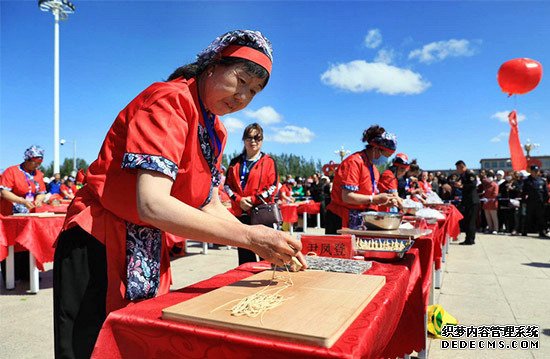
(248, 53)
(383, 148)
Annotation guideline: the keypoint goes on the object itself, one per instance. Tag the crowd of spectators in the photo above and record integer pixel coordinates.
(514, 202)
(510, 202)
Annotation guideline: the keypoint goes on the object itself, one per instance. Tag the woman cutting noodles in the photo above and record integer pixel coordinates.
(158, 170)
(355, 187)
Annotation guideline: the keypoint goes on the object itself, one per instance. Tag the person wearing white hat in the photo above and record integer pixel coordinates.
(500, 177)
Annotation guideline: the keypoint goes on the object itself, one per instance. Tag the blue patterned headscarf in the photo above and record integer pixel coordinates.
(387, 141)
(33, 151)
(249, 38)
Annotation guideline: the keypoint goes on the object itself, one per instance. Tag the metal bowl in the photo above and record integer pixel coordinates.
(384, 254)
(381, 220)
(410, 210)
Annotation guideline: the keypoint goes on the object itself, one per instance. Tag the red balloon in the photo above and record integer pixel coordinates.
(519, 76)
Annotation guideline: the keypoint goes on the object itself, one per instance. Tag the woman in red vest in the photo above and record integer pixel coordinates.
(158, 170)
(252, 179)
(355, 187)
(389, 178)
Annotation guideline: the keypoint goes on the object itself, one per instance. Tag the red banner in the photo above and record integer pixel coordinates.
(519, 162)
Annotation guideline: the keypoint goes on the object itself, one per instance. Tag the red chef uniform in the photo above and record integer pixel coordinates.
(262, 181)
(143, 136)
(353, 174)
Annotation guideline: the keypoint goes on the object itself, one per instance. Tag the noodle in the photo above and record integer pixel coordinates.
(260, 302)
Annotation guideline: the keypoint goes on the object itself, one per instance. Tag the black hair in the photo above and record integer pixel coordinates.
(195, 69)
(253, 126)
(460, 163)
(371, 133)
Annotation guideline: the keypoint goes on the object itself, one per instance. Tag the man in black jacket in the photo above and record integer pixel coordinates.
(535, 194)
(470, 201)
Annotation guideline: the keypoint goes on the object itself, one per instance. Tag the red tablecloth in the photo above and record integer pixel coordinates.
(35, 234)
(391, 325)
(289, 212)
(425, 247)
(309, 207)
(453, 222)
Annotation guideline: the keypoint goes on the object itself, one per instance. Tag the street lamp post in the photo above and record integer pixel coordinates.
(342, 153)
(529, 147)
(60, 10)
(62, 142)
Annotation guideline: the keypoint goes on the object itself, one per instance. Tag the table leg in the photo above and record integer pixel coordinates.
(318, 220)
(423, 354)
(447, 245)
(437, 279)
(443, 254)
(305, 222)
(204, 248)
(431, 298)
(34, 280)
(10, 270)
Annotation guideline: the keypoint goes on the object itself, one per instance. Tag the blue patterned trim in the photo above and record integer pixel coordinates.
(228, 190)
(150, 162)
(355, 221)
(6, 188)
(19, 208)
(350, 187)
(208, 154)
(143, 246)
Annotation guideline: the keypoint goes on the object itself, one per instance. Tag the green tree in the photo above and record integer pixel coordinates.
(66, 167)
(294, 165)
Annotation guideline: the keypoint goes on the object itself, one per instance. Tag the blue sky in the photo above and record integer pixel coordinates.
(424, 70)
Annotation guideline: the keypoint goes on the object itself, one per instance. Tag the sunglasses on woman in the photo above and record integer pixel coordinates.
(256, 138)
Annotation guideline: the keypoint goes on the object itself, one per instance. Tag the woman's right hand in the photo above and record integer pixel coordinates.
(246, 203)
(29, 205)
(274, 246)
(383, 198)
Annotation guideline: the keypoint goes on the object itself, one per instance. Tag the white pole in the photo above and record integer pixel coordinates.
(56, 94)
(74, 156)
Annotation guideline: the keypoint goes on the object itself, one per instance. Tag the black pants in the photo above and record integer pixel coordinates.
(245, 255)
(79, 292)
(535, 217)
(333, 223)
(469, 221)
(509, 219)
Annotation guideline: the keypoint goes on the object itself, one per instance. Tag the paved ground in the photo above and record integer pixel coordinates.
(501, 280)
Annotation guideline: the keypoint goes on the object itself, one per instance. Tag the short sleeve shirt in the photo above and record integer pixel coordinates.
(354, 175)
(20, 182)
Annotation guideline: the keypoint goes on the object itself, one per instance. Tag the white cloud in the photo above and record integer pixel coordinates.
(385, 56)
(233, 124)
(373, 39)
(291, 134)
(266, 115)
(362, 76)
(499, 137)
(502, 116)
(440, 50)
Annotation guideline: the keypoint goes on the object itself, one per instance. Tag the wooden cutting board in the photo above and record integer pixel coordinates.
(320, 306)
